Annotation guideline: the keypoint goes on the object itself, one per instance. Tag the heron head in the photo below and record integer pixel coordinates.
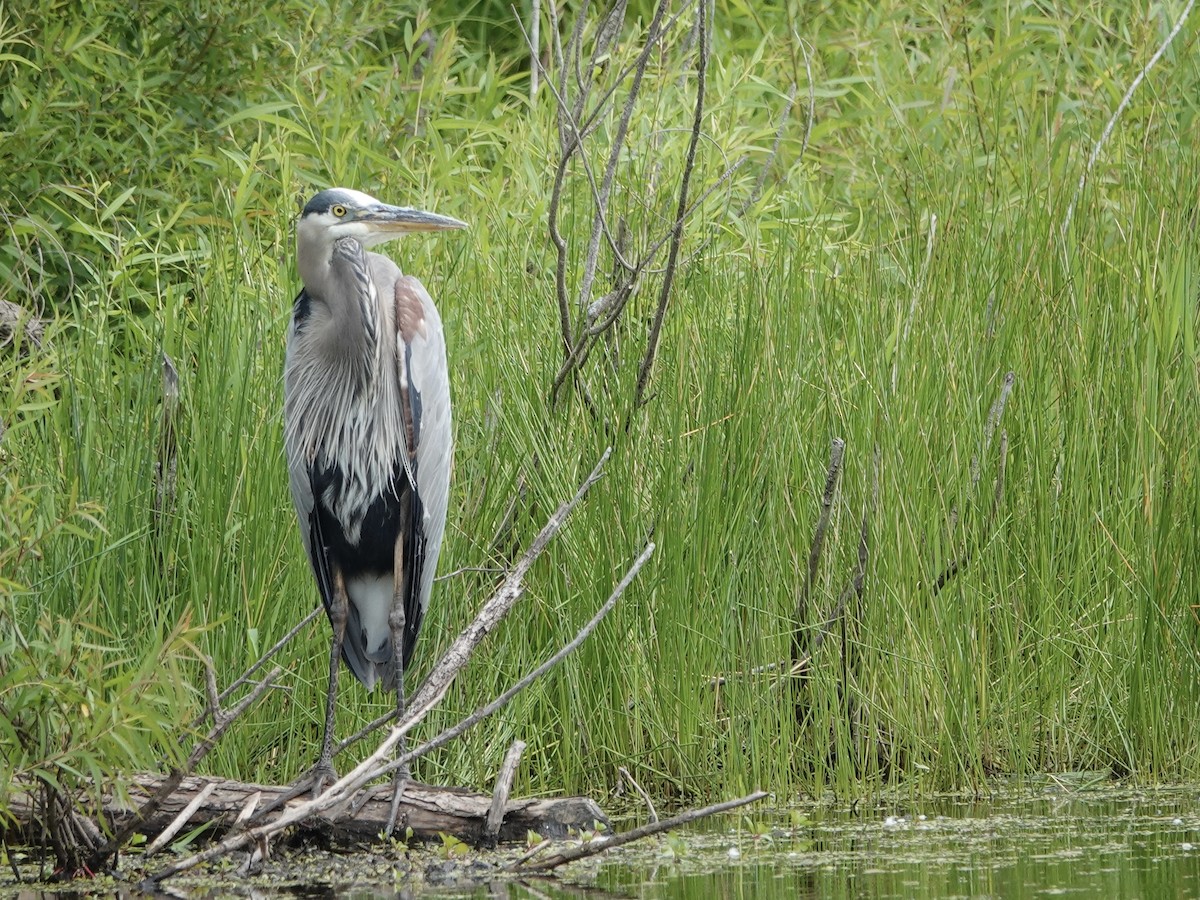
(341, 212)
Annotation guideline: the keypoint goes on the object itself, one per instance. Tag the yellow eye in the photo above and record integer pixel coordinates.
(339, 210)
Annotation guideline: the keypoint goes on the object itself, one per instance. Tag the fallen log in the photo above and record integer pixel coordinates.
(429, 810)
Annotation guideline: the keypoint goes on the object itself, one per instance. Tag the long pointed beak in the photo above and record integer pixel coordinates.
(402, 220)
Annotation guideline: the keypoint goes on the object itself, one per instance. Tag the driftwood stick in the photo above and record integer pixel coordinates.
(641, 792)
(185, 816)
(291, 816)
(600, 844)
(483, 712)
(505, 597)
(495, 816)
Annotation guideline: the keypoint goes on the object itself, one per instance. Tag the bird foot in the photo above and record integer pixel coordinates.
(398, 784)
(320, 776)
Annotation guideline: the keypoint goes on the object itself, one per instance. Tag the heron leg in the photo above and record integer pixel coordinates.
(323, 771)
(397, 622)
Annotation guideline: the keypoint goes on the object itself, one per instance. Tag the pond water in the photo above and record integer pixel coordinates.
(1056, 842)
(1084, 844)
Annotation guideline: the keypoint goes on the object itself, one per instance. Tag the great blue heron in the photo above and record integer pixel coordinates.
(367, 432)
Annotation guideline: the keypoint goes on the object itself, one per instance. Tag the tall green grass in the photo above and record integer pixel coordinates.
(835, 308)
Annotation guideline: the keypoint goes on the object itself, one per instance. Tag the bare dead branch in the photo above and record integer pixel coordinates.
(761, 181)
(535, 24)
(483, 712)
(917, 291)
(258, 664)
(600, 844)
(641, 792)
(504, 780)
(185, 816)
(502, 601)
(600, 219)
(577, 342)
(995, 413)
(1112, 122)
(702, 10)
(837, 451)
(799, 667)
(651, 253)
(961, 560)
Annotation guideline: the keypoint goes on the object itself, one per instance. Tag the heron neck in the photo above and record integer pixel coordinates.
(351, 298)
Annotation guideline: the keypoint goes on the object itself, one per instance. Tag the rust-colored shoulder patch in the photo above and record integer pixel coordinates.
(410, 312)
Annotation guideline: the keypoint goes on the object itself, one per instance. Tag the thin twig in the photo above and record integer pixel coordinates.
(576, 341)
(535, 24)
(959, 562)
(702, 10)
(837, 451)
(855, 586)
(966, 39)
(918, 289)
(600, 844)
(761, 180)
(993, 419)
(258, 664)
(483, 712)
(505, 596)
(651, 252)
(1112, 122)
(463, 570)
(641, 791)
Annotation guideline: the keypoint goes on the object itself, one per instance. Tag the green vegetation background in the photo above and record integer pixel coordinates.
(153, 157)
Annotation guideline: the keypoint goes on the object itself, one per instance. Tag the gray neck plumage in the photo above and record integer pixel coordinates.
(334, 352)
(345, 326)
